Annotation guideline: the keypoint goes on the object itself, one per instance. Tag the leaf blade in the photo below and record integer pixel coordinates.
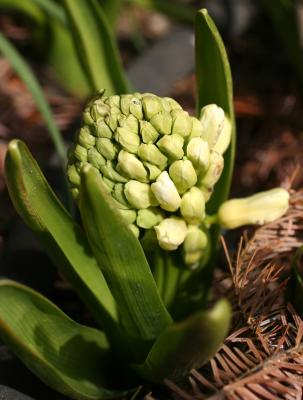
(122, 261)
(65, 355)
(67, 246)
(187, 344)
(33, 86)
(97, 50)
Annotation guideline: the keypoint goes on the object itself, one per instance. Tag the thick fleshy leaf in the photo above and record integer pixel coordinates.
(214, 85)
(187, 344)
(122, 261)
(97, 49)
(31, 82)
(63, 239)
(71, 358)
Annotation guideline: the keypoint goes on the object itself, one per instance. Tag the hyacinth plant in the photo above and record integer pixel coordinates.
(151, 184)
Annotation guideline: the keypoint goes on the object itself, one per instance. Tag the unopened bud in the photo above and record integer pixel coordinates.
(261, 208)
(193, 206)
(212, 121)
(139, 195)
(171, 233)
(166, 192)
(183, 175)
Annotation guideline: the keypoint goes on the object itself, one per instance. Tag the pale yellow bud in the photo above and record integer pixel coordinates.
(171, 233)
(259, 209)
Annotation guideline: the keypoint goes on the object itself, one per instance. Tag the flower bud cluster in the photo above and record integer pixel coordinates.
(159, 163)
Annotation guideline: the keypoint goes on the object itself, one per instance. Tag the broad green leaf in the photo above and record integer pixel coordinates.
(177, 10)
(122, 261)
(214, 85)
(52, 9)
(23, 70)
(97, 49)
(64, 241)
(187, 344)
(71, 358)
(112, 9)
(25, 7)
(285, 19)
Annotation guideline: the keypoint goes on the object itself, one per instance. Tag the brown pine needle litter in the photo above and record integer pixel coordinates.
(262, 358)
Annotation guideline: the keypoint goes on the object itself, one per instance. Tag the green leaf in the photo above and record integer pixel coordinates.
(180, 12)
(22, 69)
(214, 85)
(25, 7)
(71, 358)
(97, 49)
(112, 9)
(187, 344)
(65, 242)
(122, 261)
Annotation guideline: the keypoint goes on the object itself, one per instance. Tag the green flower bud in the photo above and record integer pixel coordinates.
(75, 193)
(171, 233)
(182, 124)
(80, 153)
(73, 175)
(162, 122)
(197, 152)
(129, 165)
(129, 216)
(86, 117)
(124, 103)
(118, 194)
(183, 175)
(135, 108)
(172, 146)
(153, 171)
(151, 106)
(166, 192)
(135, 230)
(197, 129)
(151, 154)
(173, 104)
(102, 130)
(95, 158)
(148, 132)
(128, 140)
(113, 101)
(212, 121)
(108, 183)
(85, 138)
(106, 148)
(149, 217)
(224, 138)
(259, 209)
(112, 120)
(194, 244)
(214, 171)
(139, 195)
(109, 172)
(99, 110)
(193, 206)
(131, 123)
